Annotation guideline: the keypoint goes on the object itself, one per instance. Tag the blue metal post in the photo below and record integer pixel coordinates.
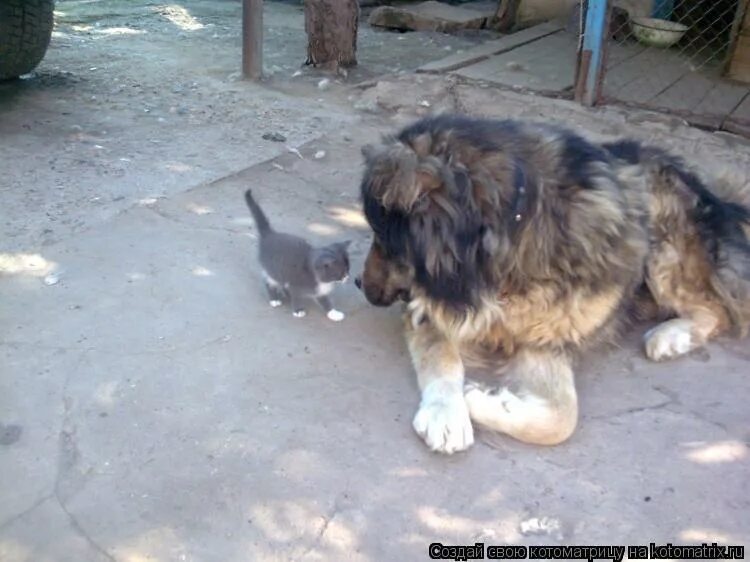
(662, 9)
(592, 52)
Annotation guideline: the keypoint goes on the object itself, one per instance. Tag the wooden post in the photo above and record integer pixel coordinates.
(741, 20)
(252, 39)
(592, 55)
(505, 15)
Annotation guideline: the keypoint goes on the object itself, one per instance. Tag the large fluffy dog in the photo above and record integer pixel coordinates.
(529, 242)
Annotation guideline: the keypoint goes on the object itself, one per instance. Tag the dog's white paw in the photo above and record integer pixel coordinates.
(275, 304)
(335, 315)
(443, 418)
(299, 313)
(669, 340)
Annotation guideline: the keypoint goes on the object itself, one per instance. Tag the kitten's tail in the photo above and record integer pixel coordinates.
(261, 220)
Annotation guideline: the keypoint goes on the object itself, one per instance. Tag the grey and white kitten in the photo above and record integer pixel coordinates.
(294, 269)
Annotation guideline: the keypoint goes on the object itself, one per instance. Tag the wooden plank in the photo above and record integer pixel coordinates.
(486, 50)
(741, 114)
(737, 128)
(685, 94)
(739, 19)
(517, 58)
(505, 15)
(739, 67)
(645, 76)
(738, 121)
(624, 73)
(745, 25)
(547, 65)
(725, 95)
(621, 52)
(702, 98)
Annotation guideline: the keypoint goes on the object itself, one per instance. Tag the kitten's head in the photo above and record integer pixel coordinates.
(331, 263)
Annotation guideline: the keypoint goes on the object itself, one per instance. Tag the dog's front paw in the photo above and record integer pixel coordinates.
(443, 418)
(299, 313)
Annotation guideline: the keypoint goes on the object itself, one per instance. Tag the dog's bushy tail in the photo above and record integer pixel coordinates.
(261, 221)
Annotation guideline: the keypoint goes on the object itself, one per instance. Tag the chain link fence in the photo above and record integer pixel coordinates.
(670, 54)
(698, 30)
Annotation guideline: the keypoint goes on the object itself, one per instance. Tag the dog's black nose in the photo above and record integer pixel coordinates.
(358, 282)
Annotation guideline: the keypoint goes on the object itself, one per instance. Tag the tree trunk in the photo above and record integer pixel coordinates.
(331, 27)
(505, 16)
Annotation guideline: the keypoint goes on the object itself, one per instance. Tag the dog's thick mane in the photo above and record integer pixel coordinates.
(479, 208)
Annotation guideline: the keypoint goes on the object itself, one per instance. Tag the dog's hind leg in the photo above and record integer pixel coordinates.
(698, 264)
(538, 405)
(443, 418)
(680, 281)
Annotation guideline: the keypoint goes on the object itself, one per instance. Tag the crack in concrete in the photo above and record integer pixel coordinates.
(7, 523)
(82, 532)
(327, 519)
(633, 410)
(700, 417)
(672, 399)
(67, 449)
(326, 522)
(669, 394)
(68, 456)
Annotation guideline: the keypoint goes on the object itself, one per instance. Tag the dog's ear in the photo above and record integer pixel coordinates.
(413, 180)
(398, 177)
(428, 177)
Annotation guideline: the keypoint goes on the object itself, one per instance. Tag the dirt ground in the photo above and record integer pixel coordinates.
(153, 407)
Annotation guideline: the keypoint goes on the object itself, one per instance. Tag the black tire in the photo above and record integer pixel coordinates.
(25, 31)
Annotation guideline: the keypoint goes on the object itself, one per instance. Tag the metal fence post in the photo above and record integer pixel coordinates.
(252, 39)
(592, 54)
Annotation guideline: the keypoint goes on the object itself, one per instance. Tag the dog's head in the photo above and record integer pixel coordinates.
(440, 226)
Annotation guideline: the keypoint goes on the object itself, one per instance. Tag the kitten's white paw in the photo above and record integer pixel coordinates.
(275, 304)
(299, 313)
(669, 340)
(335, 315)
(443, 418)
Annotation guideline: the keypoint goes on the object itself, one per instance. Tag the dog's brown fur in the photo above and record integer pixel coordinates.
(528, 240)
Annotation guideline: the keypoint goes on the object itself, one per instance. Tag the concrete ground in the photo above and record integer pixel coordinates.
(153, 407)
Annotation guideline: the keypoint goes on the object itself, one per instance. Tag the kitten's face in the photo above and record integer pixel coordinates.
(331, 263)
